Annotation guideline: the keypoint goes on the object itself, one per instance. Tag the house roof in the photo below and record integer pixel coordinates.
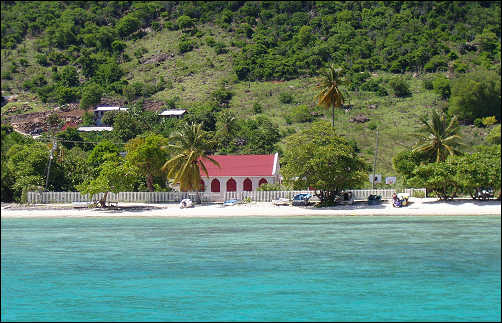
(172, 112)
(95, 129)
(242, 165)
(110, 109)
(69, 124)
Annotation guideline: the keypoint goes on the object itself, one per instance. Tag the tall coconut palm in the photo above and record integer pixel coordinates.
(330, 95)
(189, 148)
(439, 136)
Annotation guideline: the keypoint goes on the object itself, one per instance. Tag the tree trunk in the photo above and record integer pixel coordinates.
(327, 197)
(149, 182)
(333, 116)
(102, 201)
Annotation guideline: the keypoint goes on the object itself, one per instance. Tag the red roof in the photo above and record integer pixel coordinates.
(69, 124)
(240, 165)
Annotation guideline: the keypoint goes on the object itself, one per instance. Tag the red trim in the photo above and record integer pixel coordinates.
(262, 181)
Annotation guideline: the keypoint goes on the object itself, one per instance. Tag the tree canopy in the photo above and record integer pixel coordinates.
(146, 154)
(319, 158)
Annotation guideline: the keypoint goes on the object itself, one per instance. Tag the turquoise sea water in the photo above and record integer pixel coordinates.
(385, 268)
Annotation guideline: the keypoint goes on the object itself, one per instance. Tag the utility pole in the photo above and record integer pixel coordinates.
(51, 156)
(374, 161)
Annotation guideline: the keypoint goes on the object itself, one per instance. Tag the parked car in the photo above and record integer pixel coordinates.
(344, 198)
(374, 199)
(485, 193)
(301, 199)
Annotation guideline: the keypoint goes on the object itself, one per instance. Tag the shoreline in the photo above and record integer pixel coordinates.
(417, 207)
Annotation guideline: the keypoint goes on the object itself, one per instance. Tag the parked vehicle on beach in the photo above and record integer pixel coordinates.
(344, 198)
(301, 199)
(484, 193)
(186, 203)
(374, 199)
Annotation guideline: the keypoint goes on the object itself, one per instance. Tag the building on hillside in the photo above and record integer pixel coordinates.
(69, 124)
(100, 111)
(240, 172)
(172, 113)
(90, 129)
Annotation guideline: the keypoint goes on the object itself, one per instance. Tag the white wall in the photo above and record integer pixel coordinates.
(238, 179)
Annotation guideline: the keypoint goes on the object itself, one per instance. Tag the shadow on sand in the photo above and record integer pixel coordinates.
(461, 201)
(129, 208)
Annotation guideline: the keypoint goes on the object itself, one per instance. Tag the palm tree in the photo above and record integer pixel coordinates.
(189, 150)
(439, 136)
(330, 95)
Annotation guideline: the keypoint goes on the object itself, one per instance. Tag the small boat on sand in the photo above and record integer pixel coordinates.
(231, 202)
(281, 201)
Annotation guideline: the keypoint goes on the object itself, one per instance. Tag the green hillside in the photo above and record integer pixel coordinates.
(259, 59)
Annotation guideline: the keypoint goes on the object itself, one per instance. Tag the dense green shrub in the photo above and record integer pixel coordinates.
(357, 79)
(285, 98)
(220, 48)
(428, 84)
(475, 95)
(371, 85)
(63, 94)
(478, 123)
(156, 26)
(108, 73)
(441, 86)
(68, 76)
(127, 25)
(42, 59)
(185, 46)
(382, 91)
(460, 67)
(184, 22)
(400, 87)
(301, 113)
(493, 137)
(139, 52)
(222, 96)
(91, 96)
(436, 63)
(45, 93)
(257, 108)
(57, 58)
(210, 41)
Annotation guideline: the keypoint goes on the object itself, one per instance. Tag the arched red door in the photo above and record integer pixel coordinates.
(202, 187)
(231, 185)
(248, 185)
(215, 185)
(262, 181)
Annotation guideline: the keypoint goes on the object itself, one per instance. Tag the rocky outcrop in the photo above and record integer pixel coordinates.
(361, 118)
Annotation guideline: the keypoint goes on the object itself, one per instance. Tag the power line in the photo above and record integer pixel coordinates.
(79, 141)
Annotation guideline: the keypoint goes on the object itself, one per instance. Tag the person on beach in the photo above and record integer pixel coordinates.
(395, 201)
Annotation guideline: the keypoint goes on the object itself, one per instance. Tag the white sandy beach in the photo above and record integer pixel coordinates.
(417, 206)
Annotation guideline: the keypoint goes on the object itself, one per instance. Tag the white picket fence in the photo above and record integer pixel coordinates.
(39, 197)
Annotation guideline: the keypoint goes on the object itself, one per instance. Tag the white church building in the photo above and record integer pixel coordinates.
(239, 173)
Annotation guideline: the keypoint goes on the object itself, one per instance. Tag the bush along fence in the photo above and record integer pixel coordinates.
(39, 197)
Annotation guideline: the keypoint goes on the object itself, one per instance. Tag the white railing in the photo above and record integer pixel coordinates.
(205, 197)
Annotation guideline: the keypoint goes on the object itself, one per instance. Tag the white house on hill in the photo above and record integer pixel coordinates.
(174, 113)
(240, 172)
(100, 111)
